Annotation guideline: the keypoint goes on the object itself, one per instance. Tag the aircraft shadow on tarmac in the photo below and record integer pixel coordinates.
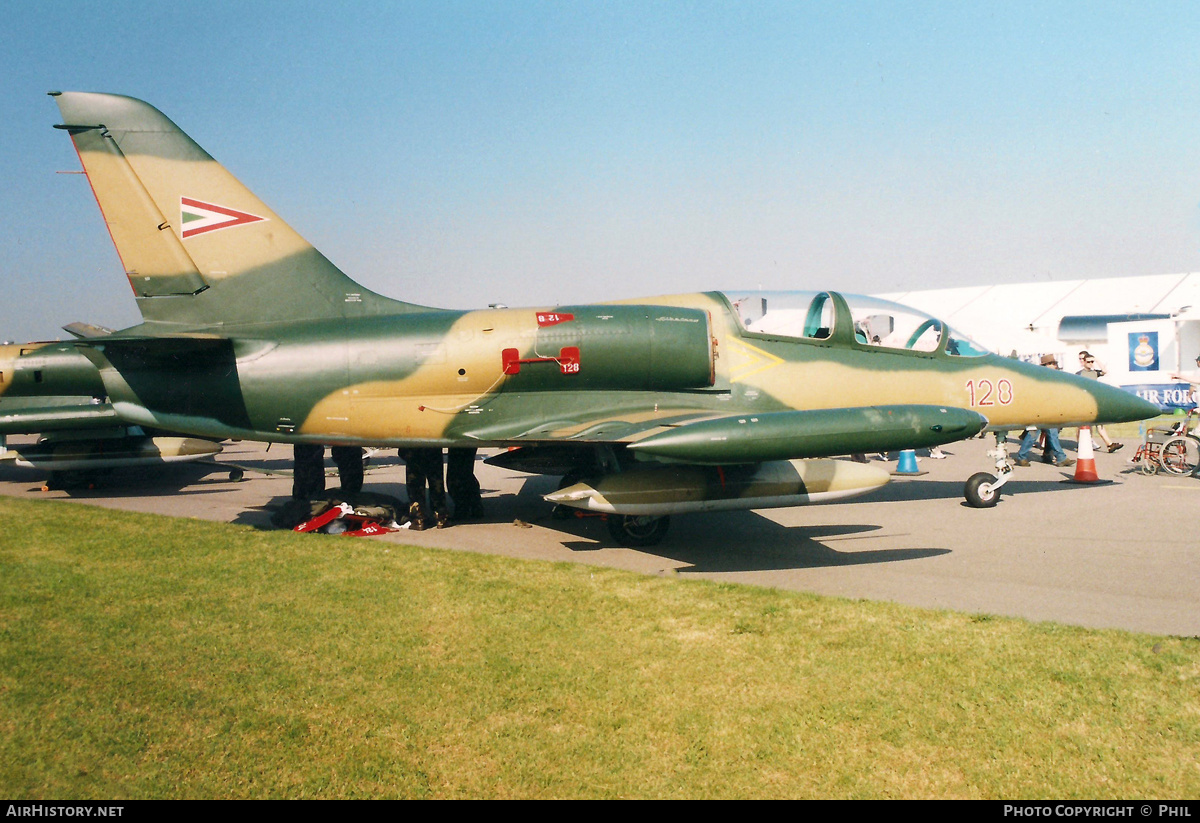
(182, 479)
(715, 542)
(749, 542)
(734, 541)
(711, 542)
(743, 541)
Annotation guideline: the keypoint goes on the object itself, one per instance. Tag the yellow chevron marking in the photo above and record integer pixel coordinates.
(747, 360)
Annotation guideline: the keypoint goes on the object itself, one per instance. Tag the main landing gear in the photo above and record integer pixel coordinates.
(638, 531)
(73, 479)
(982, 490)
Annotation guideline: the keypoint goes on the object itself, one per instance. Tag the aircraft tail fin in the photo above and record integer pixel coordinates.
(198, 247)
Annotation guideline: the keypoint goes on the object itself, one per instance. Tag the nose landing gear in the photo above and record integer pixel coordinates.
(982, 490)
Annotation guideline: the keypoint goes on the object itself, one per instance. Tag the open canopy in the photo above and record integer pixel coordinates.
(851, 318)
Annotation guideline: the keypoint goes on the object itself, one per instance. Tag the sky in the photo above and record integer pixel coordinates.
(458, 153)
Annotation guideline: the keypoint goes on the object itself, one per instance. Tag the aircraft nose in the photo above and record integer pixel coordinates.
(1115, 405)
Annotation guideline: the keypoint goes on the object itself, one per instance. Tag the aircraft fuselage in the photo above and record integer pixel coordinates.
(574, 374)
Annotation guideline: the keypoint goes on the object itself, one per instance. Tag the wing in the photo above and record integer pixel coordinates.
(795, 434)
(705, 438)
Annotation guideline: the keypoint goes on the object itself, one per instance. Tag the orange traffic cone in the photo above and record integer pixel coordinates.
(1085, 468)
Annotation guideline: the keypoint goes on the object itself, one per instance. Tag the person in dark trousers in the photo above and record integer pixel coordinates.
(308, 471)
(462, 484)
(308, 476)
(349, 462)
(1052, 452)
(425, 482)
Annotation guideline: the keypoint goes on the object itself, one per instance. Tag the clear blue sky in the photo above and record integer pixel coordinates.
(533, 153)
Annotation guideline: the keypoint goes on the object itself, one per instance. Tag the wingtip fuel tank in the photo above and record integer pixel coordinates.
(664, 490)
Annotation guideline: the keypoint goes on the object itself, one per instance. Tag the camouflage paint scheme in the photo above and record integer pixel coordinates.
(249, 332)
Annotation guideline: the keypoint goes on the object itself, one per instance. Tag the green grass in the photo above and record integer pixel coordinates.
(145, 657)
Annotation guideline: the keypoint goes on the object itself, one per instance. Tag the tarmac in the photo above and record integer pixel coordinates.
(1119, 553)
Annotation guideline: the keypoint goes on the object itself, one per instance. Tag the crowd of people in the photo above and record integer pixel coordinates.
(1052, 451)
(1047, 440)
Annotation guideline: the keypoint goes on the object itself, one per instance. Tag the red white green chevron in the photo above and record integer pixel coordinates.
(198, 217)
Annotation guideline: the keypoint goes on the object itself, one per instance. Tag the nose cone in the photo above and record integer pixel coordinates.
(1115, 405)
(1047, 397)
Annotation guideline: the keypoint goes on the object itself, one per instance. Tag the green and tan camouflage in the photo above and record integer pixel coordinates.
(50, 387)
(249, 332)
(664, 490)
(77, 454)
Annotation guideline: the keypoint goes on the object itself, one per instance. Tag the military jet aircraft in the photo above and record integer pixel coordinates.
(81, 436)
(693, 402)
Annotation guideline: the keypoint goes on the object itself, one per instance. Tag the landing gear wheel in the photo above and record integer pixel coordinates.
(1180, 455)
(236, 475)
(981, 492)
(71, 480)
(637, 531)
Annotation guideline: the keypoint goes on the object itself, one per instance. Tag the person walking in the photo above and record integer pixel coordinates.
(1089, 369)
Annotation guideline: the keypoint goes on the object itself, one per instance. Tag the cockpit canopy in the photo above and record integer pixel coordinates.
(852, 319)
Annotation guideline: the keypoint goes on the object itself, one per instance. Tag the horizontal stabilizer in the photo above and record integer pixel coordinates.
(86, 331)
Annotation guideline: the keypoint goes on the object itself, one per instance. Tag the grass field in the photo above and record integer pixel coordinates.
(146, 657)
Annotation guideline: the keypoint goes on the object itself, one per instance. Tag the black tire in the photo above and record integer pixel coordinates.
(637, 531)
(236, 475)
(981, 492)
(1180, 455)
(1149, 464)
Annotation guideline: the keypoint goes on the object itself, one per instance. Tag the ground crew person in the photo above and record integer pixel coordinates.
(424, 472)
(308, 475)
(462, 484)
